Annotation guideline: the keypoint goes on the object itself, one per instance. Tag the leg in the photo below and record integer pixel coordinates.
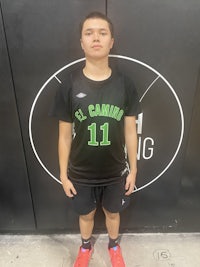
(84, 204)
(112, 223)
(86, 224)
(114, 201)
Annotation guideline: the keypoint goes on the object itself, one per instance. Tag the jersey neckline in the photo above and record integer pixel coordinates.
(96, 83)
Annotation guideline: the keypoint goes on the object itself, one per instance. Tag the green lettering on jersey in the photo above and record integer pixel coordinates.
(115, 112)
(79, 115)
(105, 110)
(105, 129)
(119, 115)
(93, 134)
(97, 110)
(91, 110)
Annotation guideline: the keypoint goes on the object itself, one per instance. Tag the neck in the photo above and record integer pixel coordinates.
(97, 70)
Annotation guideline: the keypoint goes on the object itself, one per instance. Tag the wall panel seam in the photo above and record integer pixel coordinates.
(17, 108)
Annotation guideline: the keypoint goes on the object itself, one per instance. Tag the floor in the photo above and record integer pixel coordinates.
(139, 250)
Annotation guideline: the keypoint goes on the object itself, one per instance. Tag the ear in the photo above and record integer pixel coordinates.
(112, 43)
(81, 43)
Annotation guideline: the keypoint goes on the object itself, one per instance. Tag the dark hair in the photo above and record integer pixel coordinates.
(97, 15)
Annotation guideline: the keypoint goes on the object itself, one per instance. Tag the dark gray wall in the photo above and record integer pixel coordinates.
(38, 38)
(16, 209)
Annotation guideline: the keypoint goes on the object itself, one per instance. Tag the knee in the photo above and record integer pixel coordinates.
(88, 217)
(110, 215)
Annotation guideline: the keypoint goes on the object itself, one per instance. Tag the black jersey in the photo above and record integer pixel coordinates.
(97, 110)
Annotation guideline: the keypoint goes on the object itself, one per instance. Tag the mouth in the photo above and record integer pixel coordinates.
(96, 46)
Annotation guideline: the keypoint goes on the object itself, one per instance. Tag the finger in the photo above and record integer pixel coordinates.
(130, 190)
(69, 193)
(127, 185)
(73, 190)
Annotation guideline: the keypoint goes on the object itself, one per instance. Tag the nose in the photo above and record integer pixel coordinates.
(96, 37)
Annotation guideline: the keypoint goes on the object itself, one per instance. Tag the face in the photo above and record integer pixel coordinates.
(96, 39)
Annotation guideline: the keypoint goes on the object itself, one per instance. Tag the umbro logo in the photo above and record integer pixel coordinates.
(123, 201)
(81, 95)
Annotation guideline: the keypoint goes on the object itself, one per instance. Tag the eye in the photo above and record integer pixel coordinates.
(103, 33)
(88, 33)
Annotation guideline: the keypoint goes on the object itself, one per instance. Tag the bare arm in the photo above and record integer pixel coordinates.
(64, 146)
(131, 145)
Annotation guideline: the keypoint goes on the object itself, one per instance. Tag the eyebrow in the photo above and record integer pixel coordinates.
(91, 29)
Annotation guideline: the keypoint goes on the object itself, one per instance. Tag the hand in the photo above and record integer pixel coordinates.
(68, 187)
(130, 183)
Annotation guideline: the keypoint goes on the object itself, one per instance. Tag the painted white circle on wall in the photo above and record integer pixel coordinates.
(158, 77)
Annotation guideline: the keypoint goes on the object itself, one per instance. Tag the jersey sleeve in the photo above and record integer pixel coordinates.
(132, 104)
(61, 108)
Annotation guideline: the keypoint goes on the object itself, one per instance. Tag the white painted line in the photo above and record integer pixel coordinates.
(57, 79)
(129, 59)
(149, 88)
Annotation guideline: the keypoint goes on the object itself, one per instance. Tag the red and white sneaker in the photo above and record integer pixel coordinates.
(116, 257)
(83, 257)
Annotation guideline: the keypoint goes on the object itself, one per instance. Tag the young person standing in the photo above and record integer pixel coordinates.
(97, 108)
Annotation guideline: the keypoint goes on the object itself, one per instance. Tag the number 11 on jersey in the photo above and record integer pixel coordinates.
(93, 135)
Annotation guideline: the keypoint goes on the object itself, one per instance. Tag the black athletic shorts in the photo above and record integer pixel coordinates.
(111, 197)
